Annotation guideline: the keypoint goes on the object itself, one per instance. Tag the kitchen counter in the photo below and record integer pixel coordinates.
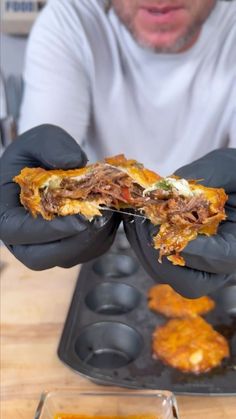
(33, 311)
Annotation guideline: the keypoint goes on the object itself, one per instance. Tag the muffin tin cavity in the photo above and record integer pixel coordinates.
(108, 345)
(115, 266)
(121, 242)
(113, 298)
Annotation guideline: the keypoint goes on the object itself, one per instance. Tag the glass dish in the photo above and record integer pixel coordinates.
(145, 404)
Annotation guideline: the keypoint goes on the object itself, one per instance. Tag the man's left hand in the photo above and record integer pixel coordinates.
(210, 261)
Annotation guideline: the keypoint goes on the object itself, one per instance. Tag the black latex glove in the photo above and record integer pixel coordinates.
(210, 261)
(64, 241)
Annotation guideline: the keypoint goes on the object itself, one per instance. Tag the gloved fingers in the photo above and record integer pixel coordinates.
(232, 200)
(217, 169)
(191, 283)
(67, 252)
(57, 150)
(230, 207)
(188, 282)
(214, 254)
(45, 146)
(9, 197)
(63, 253)
(17, 226)
(231, 212)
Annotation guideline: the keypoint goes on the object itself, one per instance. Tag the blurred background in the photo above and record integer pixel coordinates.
(17, 17)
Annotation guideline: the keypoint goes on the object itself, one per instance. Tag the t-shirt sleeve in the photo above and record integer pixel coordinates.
(56, 81)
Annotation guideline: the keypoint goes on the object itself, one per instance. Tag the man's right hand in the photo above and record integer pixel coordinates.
(64, 241)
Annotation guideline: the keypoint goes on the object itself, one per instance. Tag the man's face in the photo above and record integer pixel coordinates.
(164, 25)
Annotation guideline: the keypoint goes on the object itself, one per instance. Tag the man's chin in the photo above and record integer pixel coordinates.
(166, 42)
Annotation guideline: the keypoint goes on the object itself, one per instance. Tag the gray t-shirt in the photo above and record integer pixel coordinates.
(85, 73)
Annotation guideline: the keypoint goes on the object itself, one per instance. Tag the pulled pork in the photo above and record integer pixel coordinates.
(117, 189)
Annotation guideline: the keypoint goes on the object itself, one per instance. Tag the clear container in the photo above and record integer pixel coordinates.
(145, 404)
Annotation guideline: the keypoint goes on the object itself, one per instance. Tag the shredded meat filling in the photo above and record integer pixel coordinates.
(184, 211)
(115, 187)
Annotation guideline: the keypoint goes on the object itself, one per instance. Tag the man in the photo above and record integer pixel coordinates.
(153, 79)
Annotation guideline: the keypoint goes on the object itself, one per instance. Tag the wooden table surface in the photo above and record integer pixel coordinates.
(33, 311)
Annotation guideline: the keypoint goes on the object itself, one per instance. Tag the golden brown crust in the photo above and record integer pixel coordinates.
(163, 299)
(190, 345)
(172, 237)
(31, 180)
(138, 173)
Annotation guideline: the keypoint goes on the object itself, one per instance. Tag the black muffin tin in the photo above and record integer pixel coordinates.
(108, 331)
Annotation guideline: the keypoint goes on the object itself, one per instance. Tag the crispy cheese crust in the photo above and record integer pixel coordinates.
(32, 181)
(163, 299)
(135, 191)
(190, 345)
